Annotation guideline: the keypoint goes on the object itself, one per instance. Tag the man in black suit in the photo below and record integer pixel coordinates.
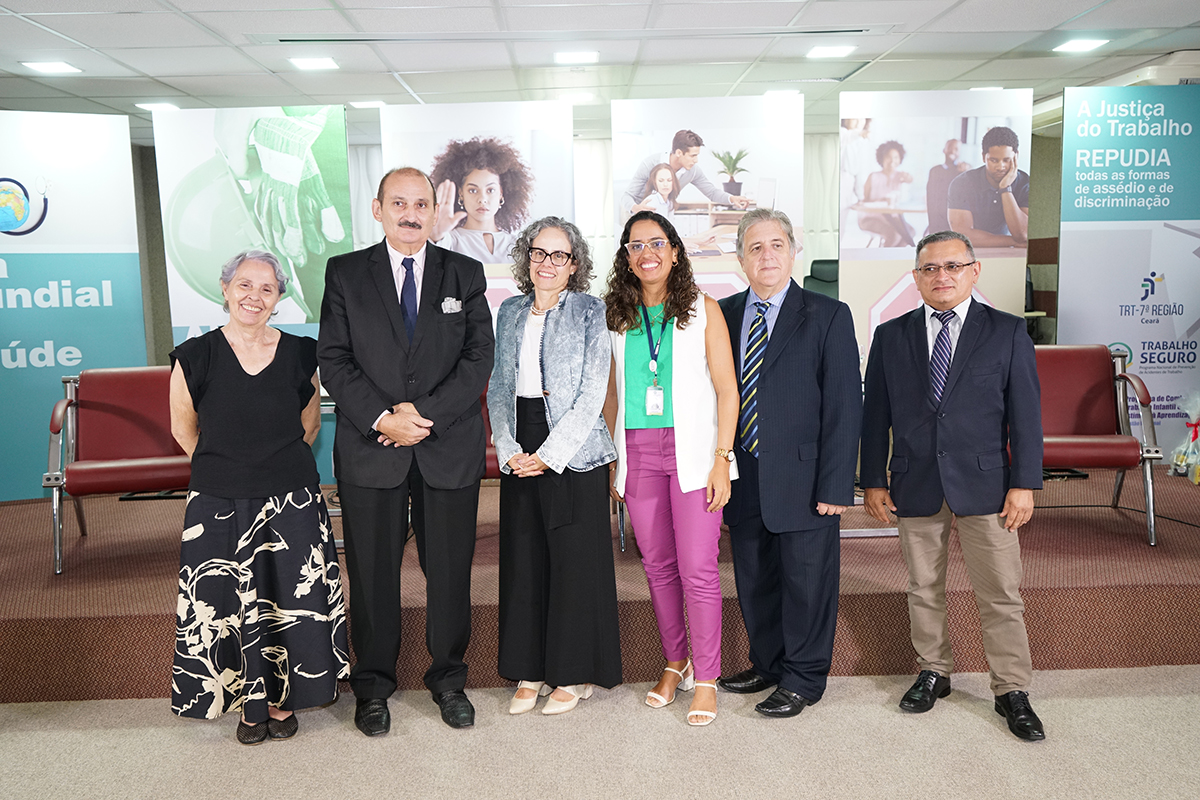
(405, 351)
(955, 382)
(801, 408)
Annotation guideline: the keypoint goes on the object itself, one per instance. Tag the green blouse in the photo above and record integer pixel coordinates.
(638, 376)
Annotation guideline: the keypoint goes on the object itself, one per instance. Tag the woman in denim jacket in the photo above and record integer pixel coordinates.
(558, 596)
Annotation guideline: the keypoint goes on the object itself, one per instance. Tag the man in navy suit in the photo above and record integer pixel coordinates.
(955, 382)
(801, 408)
(405, 351)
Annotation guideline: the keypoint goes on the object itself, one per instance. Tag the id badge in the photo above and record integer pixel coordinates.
(654, 401)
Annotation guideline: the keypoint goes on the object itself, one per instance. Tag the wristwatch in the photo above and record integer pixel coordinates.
(725, 454)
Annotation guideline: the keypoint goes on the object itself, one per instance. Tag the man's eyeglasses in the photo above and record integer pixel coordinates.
(655, 245)
(558, 258)
(930, 270)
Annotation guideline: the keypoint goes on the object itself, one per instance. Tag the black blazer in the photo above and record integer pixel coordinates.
(957, 449)
(809, 410)
(368, 365)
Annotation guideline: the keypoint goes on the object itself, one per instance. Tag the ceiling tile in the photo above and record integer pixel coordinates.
(22, 87)
(722, 15)
(576, 18)
(239, 86)
(1109, 67)
(498, 96)
(426, 20)
(425, 56)
(938, 44)
(1184, 39)
(349, 57)
(802, 70)
(91, 62)
(252, 101)
(743, 49)
(34, 7)
(651, 75)
(184, 60)
(66, 105)
(85, 86)
(653, 92)
(1008, 15)
(907, 15)
(913, 70)
(17, 33)
(1043, 68)
(1137, 14)
(541, 54)
(258, 5)
(486, 81)
(128, 30)
(235, 26)
(342, 83)
(563, 78)
(866, 46)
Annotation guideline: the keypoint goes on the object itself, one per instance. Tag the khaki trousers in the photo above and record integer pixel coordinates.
(993, 558)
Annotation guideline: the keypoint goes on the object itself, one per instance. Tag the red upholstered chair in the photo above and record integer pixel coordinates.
(112, 433)
(1085, 416)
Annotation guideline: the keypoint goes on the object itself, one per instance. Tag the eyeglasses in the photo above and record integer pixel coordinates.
(930, 270)
(558, 258)
(655, 245)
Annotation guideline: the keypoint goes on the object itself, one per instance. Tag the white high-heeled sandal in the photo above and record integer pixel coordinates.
(686, 682)
(579, 691)
(706, 716)
(519, 705)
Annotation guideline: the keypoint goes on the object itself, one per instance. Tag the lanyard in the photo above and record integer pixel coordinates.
(654, 346)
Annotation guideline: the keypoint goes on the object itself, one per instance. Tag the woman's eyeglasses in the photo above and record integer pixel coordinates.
(558, 258)
(655, 245)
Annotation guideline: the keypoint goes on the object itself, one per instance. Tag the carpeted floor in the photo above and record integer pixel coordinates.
(1097, 596)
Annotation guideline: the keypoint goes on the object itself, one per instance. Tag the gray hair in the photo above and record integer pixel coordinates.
(579, 281)
(757, 215)
(943, 236)
(231, 266)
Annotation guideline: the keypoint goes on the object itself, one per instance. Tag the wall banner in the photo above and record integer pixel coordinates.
(913, 163)
(70, 281)
(1129, 243)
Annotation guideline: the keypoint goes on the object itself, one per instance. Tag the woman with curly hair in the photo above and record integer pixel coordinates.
(483, 191)
(558, 593)
(673, 405)
(883, 189)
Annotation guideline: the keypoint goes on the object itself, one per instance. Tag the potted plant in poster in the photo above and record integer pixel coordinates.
(731, 161)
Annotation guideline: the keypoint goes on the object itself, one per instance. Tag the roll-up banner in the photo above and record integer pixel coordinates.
(496, 168)
(70, 283)
(1129, 243)
(913, 163)
(702, 162)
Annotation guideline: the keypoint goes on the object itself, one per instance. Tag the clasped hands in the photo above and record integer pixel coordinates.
(404, 427)
(526, 465)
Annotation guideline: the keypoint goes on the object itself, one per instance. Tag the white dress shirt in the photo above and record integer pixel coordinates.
(933, 325)
(397, 260)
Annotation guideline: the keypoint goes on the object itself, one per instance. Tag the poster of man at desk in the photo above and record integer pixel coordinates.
(915, 163)
(676, 156)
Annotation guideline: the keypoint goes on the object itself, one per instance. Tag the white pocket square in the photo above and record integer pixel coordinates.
(451, 305)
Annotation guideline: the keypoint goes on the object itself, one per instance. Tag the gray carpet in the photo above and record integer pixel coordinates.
(1120, 733)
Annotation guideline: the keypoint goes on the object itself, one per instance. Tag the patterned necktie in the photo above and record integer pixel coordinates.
(756, 347)
(939, 362)
(408, 297)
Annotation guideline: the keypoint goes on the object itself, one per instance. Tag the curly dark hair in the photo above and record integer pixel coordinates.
(461, 158)
(581, 278)
(652, 189)
(891, 144)
(624, 296)
(1000, 136)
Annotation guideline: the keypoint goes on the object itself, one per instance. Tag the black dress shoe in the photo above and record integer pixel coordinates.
(1024, 724)
(457, 711)
(925, 692)
(745, 682)
(372, 717)
(283, 728)
(782, 703)
(251, 734)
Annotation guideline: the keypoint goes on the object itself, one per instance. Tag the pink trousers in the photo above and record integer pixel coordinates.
(678, 540)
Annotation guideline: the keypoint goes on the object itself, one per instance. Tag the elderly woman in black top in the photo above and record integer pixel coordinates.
(558, 594)
(261, 627)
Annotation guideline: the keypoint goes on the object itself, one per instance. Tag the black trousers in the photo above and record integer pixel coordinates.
(787, 584)
(375, 524)
(558, 593)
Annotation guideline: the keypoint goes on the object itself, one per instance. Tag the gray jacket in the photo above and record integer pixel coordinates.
(576, 355)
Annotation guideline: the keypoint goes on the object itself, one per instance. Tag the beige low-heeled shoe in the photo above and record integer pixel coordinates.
(519, 705)
(706, 717)
(686, 682)
(580, 691)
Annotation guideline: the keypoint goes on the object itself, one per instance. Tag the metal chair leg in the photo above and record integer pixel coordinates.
(56, 533)
(79, 515)
(1148, 482)
(1120, 484)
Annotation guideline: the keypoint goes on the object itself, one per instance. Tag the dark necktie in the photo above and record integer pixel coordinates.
(408, 297)
(939, 361)
(756, 347)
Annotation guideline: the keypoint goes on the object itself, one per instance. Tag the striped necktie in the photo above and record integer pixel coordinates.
(939, 362)
(756, 348)
(408, 297)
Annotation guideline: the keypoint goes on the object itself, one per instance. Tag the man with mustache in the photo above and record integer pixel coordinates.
(405, 350)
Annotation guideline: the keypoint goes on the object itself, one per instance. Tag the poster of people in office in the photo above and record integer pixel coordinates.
(234, 179)
(495, 167)
(1129, 241)
(701, 162)
(913, 163)
(70, 281)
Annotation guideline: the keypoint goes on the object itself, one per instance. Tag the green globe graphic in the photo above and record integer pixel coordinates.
(14, 207)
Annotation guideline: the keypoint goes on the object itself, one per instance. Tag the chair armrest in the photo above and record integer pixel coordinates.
(1139, 388)
(59, 414)
(1150, 448)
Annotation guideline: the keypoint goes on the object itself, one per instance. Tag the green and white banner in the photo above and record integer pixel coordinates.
(1129, 246)
(70, 282)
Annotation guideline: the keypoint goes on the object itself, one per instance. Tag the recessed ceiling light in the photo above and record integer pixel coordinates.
(581, 57)
(50, 67)
(368, 104)
(157, 106)
(1080, 45)
(986, 88)
(314, 63)
(577, 98)
(840, 51)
